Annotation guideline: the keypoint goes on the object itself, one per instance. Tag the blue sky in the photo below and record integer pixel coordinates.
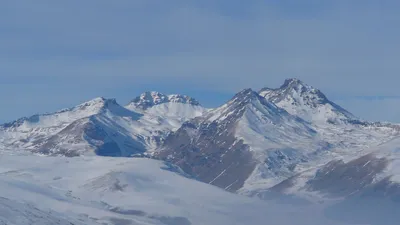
(56, 54)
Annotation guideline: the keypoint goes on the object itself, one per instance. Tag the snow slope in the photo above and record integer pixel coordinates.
(103, 190)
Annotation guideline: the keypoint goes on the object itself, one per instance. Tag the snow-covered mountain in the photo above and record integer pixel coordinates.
(359, 159)
(171, 109)
(306, 102)
(254, 143)
(100, 126)
(228, 144)
(68, 124)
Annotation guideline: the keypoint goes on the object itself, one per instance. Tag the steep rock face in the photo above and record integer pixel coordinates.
(208, 153)
(224, 146)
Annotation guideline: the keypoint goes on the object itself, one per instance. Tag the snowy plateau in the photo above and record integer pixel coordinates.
(281, 156)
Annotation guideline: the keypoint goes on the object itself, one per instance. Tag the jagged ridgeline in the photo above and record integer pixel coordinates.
(273, 139)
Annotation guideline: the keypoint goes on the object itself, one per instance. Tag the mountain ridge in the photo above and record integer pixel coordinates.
(151, 98)
(248, 145)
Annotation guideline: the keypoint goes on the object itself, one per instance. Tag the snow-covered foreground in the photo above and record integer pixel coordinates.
(103, 190)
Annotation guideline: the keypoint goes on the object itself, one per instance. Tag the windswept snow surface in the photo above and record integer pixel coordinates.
(103, 190)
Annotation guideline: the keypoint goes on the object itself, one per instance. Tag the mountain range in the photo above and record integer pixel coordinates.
(291, 140)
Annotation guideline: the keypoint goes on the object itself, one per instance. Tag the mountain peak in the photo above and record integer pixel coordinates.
(86, 109)
(305, 101)
(242, 101)
(100, 100)
(292, 82)
(95, 104)
(290, 85)
(152, 98)
(249, 96)
(299, 86)
(245, 93)
(295, 90)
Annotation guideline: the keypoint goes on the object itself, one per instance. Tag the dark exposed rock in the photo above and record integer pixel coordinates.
(212, 156)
